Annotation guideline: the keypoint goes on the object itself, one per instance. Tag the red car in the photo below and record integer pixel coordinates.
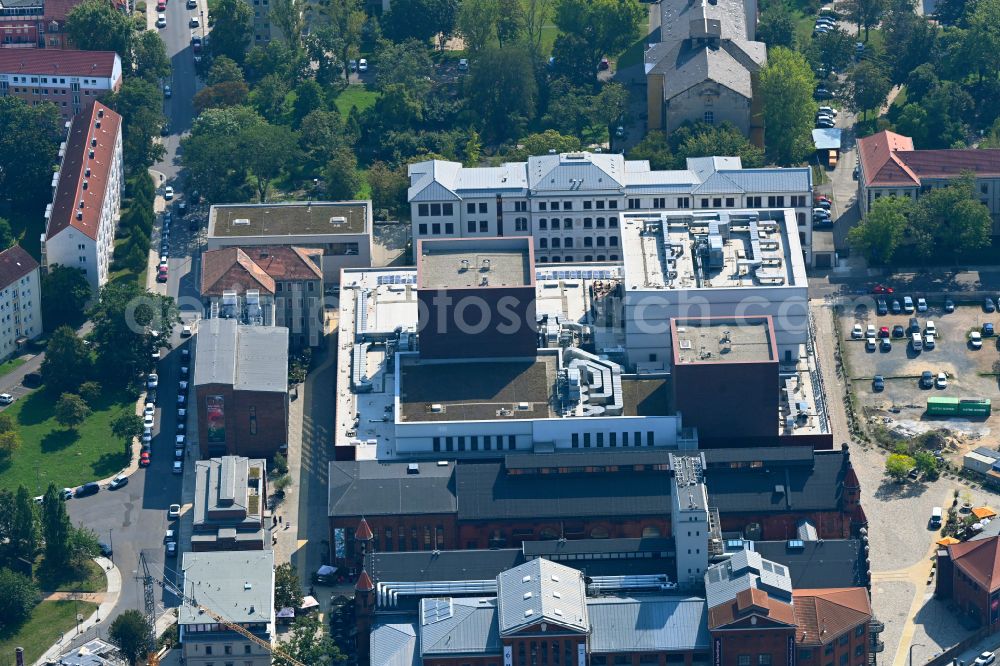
(161, 6)
(883, 332)
(144, 459)
(820, 197)
(161, 275)
(882, 289)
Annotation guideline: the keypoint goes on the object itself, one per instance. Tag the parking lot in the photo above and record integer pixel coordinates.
(970, 372)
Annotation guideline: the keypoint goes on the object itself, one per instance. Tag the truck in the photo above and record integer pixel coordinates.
(941, 406)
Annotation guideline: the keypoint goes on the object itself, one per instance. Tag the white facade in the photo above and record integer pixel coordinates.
(572, 203)
(20, 307)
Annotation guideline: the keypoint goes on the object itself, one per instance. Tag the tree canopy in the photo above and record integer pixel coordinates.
(232, 29)
(29, 143)
(786, 87)
(606, 27)
(502, 91)
(67, 362)
(130, 634)
(96, 25)
(420, 19)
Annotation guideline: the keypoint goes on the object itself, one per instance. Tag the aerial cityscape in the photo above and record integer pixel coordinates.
(499, 332)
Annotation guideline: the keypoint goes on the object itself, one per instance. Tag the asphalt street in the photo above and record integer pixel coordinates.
(134, 518)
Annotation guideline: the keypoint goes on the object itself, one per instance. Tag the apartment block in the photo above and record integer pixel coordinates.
(20, 300)
(72, 80)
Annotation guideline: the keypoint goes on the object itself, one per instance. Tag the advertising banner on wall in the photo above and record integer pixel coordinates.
(215, 415)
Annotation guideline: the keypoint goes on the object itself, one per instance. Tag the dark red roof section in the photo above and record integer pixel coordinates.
(879, 162)
(58, 62)
(364, 583)
(979, 560)
(364, 532)
(889, 159)
(15, 263)
(70, 191)
(951, 163)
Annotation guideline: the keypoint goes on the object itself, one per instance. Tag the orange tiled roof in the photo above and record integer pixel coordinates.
(824, 615)
(980, 560)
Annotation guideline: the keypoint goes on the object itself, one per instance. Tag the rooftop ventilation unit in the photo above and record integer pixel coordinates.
(486, 264)
(338, 221)
(241, 222)
(90, 154)
(523, 406)
(437, 408)
(464, 265)
(413, 468)
(100, 113)
(86, 172)
(79, 216)
(93, 142)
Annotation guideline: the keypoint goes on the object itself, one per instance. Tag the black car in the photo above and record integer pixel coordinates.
(105, 549)
(182, 209)
(898, 331)
(881, 307)
(87, 489)
(32, 380)
(896, 307)
(926, 379)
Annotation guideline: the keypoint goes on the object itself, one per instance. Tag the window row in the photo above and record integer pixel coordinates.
(472, 443)
(569, 258)
(416, 538)
(599, 204)
(588, 241)
(613, 439)
(568, 223)
(658, 202)
(435, 209)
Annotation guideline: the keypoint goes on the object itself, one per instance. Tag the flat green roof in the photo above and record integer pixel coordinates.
(289, 219)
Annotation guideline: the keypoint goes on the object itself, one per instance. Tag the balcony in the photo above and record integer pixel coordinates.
(876, 626)
(876, 646)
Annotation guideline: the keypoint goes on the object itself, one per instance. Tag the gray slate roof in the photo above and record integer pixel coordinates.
(648, 624)
(249, 358)
(542, 591)
(744, 570)
(394, 644)
(369, 488)
(238, 585)
(458, 626)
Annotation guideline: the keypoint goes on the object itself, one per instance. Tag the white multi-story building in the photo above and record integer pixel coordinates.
(20, 300)
(573, 203)
(86, 201)
(70, 79)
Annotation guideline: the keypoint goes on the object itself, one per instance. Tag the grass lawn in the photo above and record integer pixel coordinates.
(48, 622)
(10, 366)
(359, 96)
(91, 579)
(51, 454)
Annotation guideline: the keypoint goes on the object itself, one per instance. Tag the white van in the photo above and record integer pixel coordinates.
(931, 328)
(917, 342)
(936, 517)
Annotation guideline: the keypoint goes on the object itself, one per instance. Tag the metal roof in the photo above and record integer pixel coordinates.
(827, 138)
(238, 585)
(819, 564)
(394, 644)
(458, 626)
(648, 624)
(388, 489)
(542, 591)
(250, 358)
(576, 171)
(744, 570)
(440, 565)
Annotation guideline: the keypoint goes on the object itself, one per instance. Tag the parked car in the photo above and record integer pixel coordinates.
(147, 421)
(171, 549)
(857, 333)
(870, 344)
(167, 92)
(907, 305)
(192, 4)
(895, 306)
(870, 331)
(856, 173)
(162, 273)
(926, 379)
(604, 64)
(152, 380)
(144, 459)
(885, 345)
(914, 325)
(881, 307)
(161, 20)
(352, 65)
(822, 93)
(6, 398)
(949, 305)
(882, 289)
(463, 65)
(985, 659)
(86, 489)
(118, 482)
(878, 383)
(921, 305)
(976, 339)
(105, 549)
(174, 511)
(898, 331)
(988, 330)
(178, 467)
(883, 332)
(178, 454)
(825, 123)
(929, 341)
(194, 22)
(185, 331)
(942, 381)
(988, 305)
(828, 110)
(362, 65)
(931, 328)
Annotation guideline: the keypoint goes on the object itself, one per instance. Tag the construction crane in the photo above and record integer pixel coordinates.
(152, 660)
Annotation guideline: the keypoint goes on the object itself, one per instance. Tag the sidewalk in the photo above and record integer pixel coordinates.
(110, 599)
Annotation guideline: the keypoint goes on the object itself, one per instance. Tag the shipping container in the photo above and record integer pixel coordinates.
(942, 406)
(974, 407)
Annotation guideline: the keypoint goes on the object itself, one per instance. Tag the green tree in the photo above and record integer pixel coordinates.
(926, 463)
(10, 442)
(898, 465)
(914, 123)
(227, 93)
(570, 108)
(867, 87)
(19, 597)
(882, 230)
(269, 97)
(232, 29)
(704, 140)
(537, 14)
(70, 410)
(786, 87)
(266, 150)
(865, 13)
(309, 644)
(126, 427)
(341, 175)
(542, 143)
(607, 27)
(224, 70)
(211, 156)
(151, 61)
(950, 220)
(90, 392)
(309, 97)
(83, 546)
(287, 587)
(983, 37)
(67, 361)
(65, 292)
(407, 63)
(655, 148)
(502, 89)
(473, 149)
(95, 25)
(29, 143)
(287, 16)
(777, 26)
(484, 22)
(7, 239)
(55, 528)
(140, 103)
(342, 37)
(609, 106)
(23, 535)
(420, 19)
(320, 133)
(124, 319)
(832, 51)
(388, 187)
(130, 634)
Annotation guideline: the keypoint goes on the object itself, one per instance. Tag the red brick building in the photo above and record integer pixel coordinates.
(241, 388)
(41, 24)
(72, 80)
(969, 573)
(762, 493)
(834, 626)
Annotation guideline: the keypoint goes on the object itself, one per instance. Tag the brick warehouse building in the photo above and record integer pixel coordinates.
(969, 574)
(763, 493)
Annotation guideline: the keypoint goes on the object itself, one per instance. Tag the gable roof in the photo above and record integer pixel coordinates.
(879, 163)
(824, 615)
(458, 626)
(15, 263)
(746, 584)
(229, 268)
(368, 488)
(60, 62)
(394, 644)
(980, 560)
(687, 64)
(950, 163)
(85, 136)
(648, 624)
(542, 591)
(576, 171)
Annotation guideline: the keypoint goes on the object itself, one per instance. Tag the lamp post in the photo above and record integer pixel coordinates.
(913, 645)
(111, 543)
